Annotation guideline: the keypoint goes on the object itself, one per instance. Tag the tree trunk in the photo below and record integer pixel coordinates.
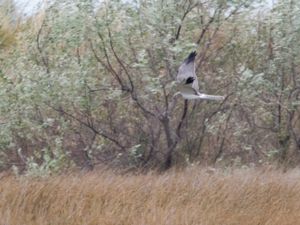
(171, 144)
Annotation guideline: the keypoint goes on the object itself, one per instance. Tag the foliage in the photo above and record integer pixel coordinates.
(101, 81)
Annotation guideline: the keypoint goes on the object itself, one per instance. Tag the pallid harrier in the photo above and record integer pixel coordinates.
(188, 83)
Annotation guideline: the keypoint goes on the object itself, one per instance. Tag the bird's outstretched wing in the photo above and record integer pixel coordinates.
(189, 92)
(186, 72)
(211, 97)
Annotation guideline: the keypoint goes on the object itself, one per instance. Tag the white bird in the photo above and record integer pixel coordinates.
(188, 83)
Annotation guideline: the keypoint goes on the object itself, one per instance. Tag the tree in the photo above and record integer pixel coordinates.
(86, 86)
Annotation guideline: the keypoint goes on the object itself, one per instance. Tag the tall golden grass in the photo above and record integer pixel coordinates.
(192, 196)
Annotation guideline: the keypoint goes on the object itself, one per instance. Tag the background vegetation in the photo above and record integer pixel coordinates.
(83, 86)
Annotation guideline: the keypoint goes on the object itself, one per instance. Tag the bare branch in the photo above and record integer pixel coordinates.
(132, 89)
(44, 59)
(205, 29)
(108, 67)
(92, 128)
(119, 60)
(188, 10)
(184, 113)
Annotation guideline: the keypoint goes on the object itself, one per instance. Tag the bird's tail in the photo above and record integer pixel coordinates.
(211, 97)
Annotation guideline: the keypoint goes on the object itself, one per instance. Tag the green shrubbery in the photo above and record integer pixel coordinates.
(82, 86)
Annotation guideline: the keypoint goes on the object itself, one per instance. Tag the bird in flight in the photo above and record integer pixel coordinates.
(188, 83)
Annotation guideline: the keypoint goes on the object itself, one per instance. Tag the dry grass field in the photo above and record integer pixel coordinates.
(192, 196)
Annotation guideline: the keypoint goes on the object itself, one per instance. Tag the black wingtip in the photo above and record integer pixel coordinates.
(189, 80)
(191, 57)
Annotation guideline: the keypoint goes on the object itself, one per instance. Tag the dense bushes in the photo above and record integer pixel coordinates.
(84, 86)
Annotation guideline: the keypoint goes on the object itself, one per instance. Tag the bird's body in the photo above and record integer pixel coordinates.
(188, 83)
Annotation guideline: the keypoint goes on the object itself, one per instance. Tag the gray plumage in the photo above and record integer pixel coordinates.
(188, 82)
